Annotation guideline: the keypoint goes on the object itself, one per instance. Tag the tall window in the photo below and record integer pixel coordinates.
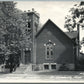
(49, 50)
(29, 24)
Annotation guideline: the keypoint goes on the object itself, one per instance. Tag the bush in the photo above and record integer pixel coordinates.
(63, 67)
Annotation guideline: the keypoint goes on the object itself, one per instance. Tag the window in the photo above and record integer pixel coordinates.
(53, 66)
(49, 66)
(49, 47)
(29, 25)
(46, 67)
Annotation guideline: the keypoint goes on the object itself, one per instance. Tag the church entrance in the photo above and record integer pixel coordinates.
(27, 56)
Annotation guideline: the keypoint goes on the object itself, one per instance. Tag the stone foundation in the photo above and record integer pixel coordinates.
(52, 66)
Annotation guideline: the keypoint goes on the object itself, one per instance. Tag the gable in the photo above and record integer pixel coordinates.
(54, 28)
(63, 49)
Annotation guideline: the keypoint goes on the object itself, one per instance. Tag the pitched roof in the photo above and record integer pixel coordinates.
(42, 28)
(72, 35)
(49, 21)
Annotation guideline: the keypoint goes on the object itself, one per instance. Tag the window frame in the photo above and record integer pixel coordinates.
(53, 64)
(49, 66)
(49, 48)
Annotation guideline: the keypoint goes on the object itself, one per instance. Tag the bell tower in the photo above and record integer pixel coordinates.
(33, 24)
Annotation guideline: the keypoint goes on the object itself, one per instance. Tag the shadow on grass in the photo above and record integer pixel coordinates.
(67, 73)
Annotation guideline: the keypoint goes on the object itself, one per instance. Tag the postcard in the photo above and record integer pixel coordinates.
(41, 41)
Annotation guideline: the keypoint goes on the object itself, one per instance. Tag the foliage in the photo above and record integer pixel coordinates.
(75, 17)
(13, 23)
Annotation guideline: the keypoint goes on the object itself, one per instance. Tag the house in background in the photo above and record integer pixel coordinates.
(50, 47)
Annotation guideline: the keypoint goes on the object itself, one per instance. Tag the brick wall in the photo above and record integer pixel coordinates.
(63, 51)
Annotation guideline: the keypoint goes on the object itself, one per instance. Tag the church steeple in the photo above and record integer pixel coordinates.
(33, 24)
(33, 20)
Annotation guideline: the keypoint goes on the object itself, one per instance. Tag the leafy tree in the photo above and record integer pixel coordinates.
(13, 23)
(76, 16)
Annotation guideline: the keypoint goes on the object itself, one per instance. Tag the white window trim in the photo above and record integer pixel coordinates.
(49, 64)
(50, 56)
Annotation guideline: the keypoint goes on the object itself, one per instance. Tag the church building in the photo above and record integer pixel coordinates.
(51, 47)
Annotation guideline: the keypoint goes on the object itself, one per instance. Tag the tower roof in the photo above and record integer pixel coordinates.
(33, 12)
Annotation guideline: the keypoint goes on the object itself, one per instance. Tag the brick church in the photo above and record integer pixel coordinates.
(50, 47)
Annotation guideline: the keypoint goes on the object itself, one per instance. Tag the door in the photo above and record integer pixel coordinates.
(27, 57)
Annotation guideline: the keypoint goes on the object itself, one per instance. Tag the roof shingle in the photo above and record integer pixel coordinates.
(72, 35)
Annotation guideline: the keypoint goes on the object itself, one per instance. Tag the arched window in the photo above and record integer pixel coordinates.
(49, 50)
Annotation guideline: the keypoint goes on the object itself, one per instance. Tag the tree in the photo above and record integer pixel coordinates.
(13, 23)
(76, 16)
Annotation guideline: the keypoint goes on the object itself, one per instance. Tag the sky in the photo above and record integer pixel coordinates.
(54, 10)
